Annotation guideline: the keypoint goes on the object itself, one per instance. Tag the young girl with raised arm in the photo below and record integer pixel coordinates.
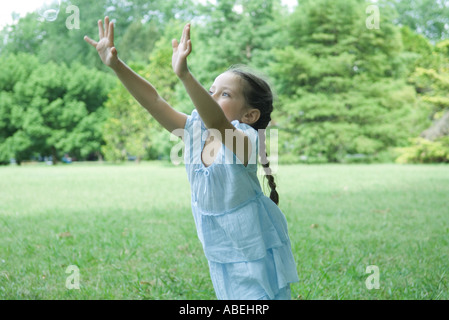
(243, 232)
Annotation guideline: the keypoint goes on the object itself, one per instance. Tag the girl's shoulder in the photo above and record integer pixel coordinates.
(252, 133)
(192, 118)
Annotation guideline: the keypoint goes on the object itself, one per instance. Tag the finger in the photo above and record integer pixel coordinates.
(90, 41)
(114, 51)
(182, 36)
(175, 45)
(111, 32)
(188, 31)
(106, 26)
(189, 47)
(100, 29)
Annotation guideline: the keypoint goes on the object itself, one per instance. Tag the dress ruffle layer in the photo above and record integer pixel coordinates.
(268, 277)
(243, 234)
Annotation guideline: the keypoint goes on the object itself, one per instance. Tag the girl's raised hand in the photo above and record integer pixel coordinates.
(181, 51)
(105, 46)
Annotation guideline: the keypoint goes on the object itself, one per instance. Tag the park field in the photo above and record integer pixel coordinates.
(129, 233)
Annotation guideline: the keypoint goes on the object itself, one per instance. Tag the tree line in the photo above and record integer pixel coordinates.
(344, 92)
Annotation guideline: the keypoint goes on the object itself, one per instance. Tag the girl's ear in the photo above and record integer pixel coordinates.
(251, 116)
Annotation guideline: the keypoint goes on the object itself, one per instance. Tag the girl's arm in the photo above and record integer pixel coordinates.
(140, 88)
(208, 109)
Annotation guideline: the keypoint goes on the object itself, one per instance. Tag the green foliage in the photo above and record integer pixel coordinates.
(49, 109)
(431, 81)
(138, 41)
(127, 130)
(235, 32)
(344, 92)
(341, 85)
(433, 86)
(425, 151)
(428, 17)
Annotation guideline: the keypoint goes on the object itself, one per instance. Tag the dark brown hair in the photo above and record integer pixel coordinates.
(258, 95)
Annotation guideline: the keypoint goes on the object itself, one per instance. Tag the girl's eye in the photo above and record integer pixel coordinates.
(210, 92)
(225, 94)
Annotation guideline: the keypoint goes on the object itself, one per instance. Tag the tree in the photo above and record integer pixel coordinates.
(127, 128)
(53, 41)
(429, 18)
(50, 109)
(431, 81)
(344, 91)
(138, 41)
(235, 32)
(341, 86)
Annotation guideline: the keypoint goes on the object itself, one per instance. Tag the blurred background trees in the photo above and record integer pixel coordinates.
(345, 92)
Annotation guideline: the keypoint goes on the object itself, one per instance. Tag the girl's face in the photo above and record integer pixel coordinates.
(227, 90)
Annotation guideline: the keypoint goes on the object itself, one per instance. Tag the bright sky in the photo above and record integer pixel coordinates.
(24, 6)
(20, 6)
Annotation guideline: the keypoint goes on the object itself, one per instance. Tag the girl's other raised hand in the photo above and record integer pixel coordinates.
(105, 45)
(181, 50)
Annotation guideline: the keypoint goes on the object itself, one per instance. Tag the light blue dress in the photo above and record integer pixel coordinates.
(243, 232)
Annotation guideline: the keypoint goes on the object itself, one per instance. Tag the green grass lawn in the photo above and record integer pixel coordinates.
(129, 230)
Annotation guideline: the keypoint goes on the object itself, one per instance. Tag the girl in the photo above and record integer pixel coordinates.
(243, 232)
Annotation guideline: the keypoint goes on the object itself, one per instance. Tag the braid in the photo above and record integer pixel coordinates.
(273, 194)
(266, 166)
